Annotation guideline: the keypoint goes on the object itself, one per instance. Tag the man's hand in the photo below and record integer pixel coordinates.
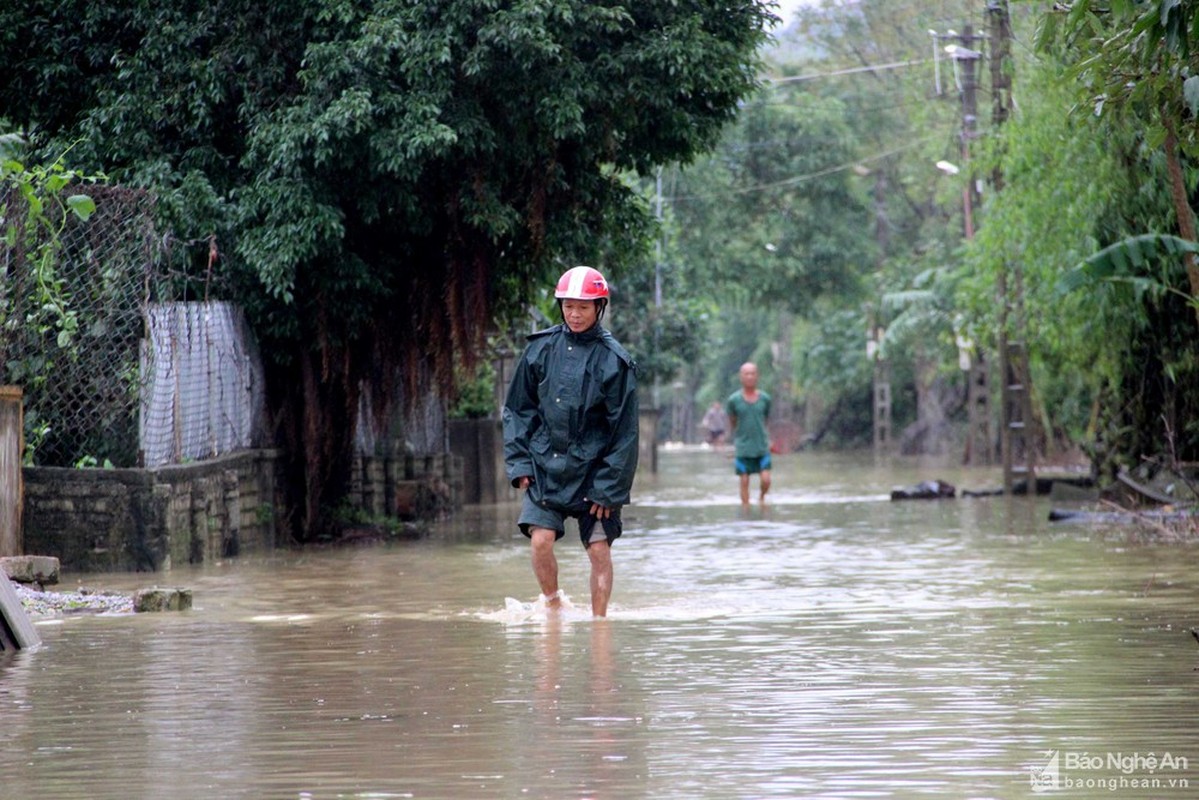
(600, 512)
(523, 482)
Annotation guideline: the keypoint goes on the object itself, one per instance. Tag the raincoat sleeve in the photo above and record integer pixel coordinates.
(519, 419)
(618, 463)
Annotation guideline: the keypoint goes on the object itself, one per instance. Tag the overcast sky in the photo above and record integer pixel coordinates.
(786, 9)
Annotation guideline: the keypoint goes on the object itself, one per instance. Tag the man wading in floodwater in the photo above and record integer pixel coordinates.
(748, 409)
(570, 435)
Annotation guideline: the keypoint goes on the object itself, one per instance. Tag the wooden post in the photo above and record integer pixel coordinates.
(12, 443)
(16, 630)
(882, 407)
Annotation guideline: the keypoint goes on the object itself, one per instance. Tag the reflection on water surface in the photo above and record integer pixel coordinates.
(835, 645)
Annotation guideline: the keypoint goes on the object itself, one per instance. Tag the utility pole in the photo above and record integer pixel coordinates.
(882, 388)
(656, 410)
(1017, 432)
(966, 55)
(657, 274)
(999, 30)
(875, 330)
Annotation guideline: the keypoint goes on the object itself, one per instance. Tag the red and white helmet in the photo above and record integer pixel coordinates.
(582, 283)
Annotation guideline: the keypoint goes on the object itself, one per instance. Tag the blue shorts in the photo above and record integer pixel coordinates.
(745, 465)
(533, 515)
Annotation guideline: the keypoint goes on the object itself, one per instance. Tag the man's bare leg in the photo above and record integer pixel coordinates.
(744, 490)
(764, 486)
(545, 564)
(600, 554)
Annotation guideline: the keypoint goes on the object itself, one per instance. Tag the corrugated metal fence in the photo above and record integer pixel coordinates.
(202, 384)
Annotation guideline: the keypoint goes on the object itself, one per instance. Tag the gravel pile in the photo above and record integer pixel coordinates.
(52, 604)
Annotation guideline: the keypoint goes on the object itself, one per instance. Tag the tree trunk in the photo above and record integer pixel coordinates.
(316, 417)
(1182, 207)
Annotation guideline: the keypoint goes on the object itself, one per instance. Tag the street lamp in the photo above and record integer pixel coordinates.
(959, 52)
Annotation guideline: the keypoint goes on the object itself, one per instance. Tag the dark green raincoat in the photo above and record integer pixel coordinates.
(570, 420)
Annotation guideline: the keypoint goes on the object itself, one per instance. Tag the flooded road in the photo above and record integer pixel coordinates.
(838, 645)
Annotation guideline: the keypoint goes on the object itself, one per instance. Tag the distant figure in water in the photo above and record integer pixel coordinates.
(570, 435)
(748, 409)
(715, 423)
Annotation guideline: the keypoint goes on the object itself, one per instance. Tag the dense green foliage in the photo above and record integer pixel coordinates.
(1086, 191)
(819, 204)
(384, 178)
(1132, 66)
(39, 327)
(35, 202)
(390, 183)
(771, 224)
(761, 206)
(1051, 214)
(1083, 214)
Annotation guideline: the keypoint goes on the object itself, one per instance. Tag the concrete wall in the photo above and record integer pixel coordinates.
(151, 519)
(406, 486)
(480, 445)
(105, 520)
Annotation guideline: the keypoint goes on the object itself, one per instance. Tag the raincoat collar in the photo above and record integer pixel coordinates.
(592, 334)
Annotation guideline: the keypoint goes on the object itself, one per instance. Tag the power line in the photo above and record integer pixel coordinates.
(802, 178)
(849, 71)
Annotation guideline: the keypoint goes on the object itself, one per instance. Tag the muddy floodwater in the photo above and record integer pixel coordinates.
(838, 645)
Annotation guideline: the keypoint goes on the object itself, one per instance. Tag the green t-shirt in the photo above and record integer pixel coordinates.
(750, 439)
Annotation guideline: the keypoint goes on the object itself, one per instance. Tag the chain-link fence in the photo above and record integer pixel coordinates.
(72, 325)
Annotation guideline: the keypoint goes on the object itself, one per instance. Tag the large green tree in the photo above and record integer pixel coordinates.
(770, 219)
(836, 171)
(383, 177)
(1137, 61)
(1130, 85)
(1063, 190)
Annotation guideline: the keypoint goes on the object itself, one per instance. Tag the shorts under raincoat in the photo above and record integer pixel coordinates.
(570, 419)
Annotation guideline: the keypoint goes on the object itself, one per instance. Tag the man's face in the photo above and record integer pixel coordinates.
(579, 314)
(749, 376)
